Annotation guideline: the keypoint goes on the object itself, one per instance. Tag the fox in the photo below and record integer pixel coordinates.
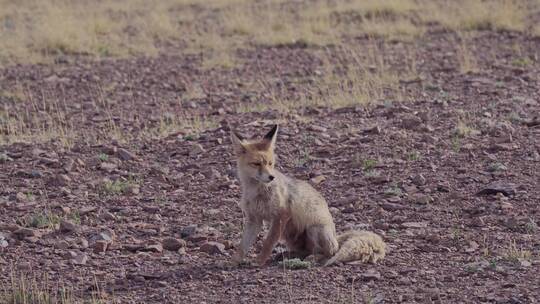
(296, 213)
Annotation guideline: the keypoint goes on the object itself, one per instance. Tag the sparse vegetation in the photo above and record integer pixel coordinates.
(41, 219)
(295, 264)
(514, 253)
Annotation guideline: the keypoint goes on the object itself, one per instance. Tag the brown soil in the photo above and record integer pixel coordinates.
(396, 168)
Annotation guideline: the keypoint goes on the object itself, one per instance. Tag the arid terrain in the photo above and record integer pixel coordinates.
(418, 120)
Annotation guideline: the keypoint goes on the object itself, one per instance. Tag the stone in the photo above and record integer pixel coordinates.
(107, 167)
(508, 189)
(419, 180)
(318, 179)
(414, 225)
(213, 248)
(196, 149)
(153, 248)
(68, 226)
(26, 232)
(101, 246)
(125, 155)
(78, 258)
(173, 244)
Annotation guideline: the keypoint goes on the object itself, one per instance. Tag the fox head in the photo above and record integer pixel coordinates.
(256, 158)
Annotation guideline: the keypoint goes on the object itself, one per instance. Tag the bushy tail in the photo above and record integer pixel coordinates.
(354, 245)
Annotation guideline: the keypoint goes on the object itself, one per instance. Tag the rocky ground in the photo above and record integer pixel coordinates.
(447, 173)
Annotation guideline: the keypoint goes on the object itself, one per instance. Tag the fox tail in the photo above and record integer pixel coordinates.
(364, 246)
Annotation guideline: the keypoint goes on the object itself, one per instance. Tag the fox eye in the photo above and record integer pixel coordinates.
(255, 164)
(270, 163)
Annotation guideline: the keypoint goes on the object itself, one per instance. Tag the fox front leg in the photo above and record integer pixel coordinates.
(270, 242)
(249, 235)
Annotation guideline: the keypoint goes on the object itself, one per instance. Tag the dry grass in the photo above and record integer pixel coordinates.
(37, 31)
(478, 15)
(47, 118)
(27, 289)
(514, 253)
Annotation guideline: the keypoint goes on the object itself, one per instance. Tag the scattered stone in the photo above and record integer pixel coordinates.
(318, 179)
(370, 275)
(196, 149)
(62, 245)
(525, 263)
(188, 231)
(508, 189)
(100, 246)
(422, 199)
(153, 248)
(4, 158)
(410, 122)
(173, 244)
(86, 210)
(107, 167)
(373, 130)
(21, 197)
(472, 247)
(78, 258)
(60, 180)
(3, 241)
(107, 216)
(495, 167)
(26, 232)
(392, 206)
(68, 165)
(213, 248)
(133, 189)
(68, 226)
(317, 128)
(414, 225)
(419, 180)
(125, 155)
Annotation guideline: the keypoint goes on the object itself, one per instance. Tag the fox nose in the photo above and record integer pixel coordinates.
(271, 177)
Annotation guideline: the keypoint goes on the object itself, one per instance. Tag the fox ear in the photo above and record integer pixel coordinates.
(270, 137)
(238, 143)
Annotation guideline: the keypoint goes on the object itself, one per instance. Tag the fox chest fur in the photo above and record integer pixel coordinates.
(263, 202)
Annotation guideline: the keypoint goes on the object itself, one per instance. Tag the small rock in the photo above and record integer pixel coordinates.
(100, 246)
(318, 179)
(153, 248)
(133, 190)
(525, 263)
(107, 216)
(495, 167)
(370, 275)
(372, 130)
(62, 245)
(125, 155)
(317, 128)
(188, 230)
(421, 199)
(105, 236)
(61, 180)
(26, 232)
(173, 244)
(414, 225)
(508, 189)
(419, 180)
(213, 248)
(78, 258)
(3, 241)
(196, 149)
(410, 122)
(107, 167)
(68, 226)
(473, 246)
